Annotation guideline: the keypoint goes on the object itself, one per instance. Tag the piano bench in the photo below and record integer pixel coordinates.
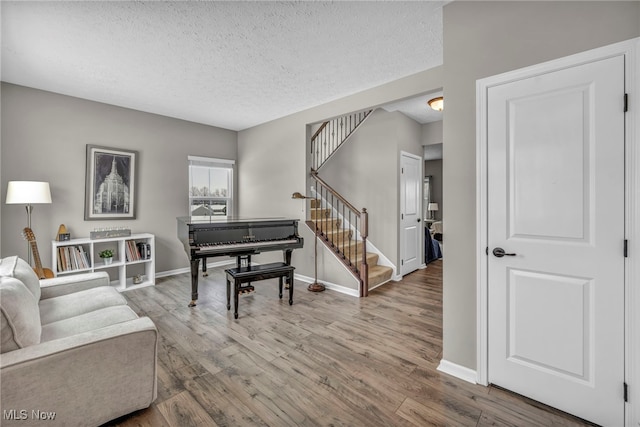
(255, 273)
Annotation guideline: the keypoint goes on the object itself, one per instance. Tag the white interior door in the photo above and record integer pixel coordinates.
(410, 216)
(556, 208)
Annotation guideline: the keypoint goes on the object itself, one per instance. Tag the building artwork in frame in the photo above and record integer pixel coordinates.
(110, 183)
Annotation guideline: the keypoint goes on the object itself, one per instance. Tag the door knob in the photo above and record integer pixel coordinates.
(418, 219)
(499, 253)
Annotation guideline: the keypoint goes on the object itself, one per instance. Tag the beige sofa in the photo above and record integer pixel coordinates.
(71, 351)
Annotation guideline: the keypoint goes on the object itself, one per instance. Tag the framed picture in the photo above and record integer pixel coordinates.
(110, 187)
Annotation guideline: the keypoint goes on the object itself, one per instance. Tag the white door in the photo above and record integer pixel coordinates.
(410, 219)
(556, 208)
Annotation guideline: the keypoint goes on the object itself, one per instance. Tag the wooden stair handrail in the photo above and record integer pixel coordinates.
(320, 129)
(314, 175)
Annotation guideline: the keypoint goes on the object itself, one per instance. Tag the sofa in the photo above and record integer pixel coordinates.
(72, 352)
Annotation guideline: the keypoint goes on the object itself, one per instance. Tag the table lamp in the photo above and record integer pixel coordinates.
(432, 208)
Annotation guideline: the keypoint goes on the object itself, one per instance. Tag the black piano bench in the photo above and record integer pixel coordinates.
(255, 273)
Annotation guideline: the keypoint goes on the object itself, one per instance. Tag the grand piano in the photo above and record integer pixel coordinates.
(205, 237)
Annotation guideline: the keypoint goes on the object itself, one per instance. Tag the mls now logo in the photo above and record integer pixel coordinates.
(23, 414)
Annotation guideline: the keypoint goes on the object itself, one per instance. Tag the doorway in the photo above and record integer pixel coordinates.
(551, 224)
(410, 213)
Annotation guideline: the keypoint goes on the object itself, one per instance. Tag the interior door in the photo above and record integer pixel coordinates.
(556, 238)
(410, 215)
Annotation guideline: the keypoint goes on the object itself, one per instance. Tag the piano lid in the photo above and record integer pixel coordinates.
(227, 219)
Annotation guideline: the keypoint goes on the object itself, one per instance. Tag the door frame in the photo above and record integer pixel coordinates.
(420, 161)
(629, 49)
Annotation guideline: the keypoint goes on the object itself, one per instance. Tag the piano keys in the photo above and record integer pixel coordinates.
(205, 237)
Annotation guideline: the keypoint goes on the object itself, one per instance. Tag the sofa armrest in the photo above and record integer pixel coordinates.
(64, 285)
(85, 379)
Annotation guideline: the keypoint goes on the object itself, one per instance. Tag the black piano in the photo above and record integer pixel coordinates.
(205, 237)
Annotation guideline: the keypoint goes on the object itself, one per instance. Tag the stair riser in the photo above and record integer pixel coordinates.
(382, 276)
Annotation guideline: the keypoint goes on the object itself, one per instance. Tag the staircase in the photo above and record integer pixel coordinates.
(341, 241)
(339, 225)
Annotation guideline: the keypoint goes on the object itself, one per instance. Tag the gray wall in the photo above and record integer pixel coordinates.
(273, 163)
(482, 39)
(44, 137)
(432, 133)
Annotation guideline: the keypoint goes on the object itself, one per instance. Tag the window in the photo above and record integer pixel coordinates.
(210, 187)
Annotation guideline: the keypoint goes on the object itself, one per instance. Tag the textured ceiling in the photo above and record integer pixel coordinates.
(227, 64)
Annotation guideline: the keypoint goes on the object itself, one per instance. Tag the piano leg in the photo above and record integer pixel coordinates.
(204, 267)
(236, 292)
(194, 281)
(290, 278)
(287, 260)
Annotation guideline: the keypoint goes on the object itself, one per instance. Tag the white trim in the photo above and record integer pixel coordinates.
(329, 285)
(632, 233)
(300, 277)
(420, 160)
(482, 363)
(383, 261)
(210, 160)
(168, 273)
(458, 371)
(630, 50)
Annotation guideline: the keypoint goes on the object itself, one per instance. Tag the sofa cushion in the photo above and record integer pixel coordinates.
(77, 303)
(87, 322)
(19, 316)
(67, 284)
(14, 266)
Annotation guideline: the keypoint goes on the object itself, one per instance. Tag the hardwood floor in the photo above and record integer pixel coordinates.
(327, 360)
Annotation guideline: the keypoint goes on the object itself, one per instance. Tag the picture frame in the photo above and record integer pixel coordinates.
(110, 188)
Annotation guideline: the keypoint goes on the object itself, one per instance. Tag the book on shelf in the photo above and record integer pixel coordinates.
(137, 251)
(144, 249)
(72, 258)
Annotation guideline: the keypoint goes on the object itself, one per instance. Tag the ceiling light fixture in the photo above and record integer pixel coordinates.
(436, 103)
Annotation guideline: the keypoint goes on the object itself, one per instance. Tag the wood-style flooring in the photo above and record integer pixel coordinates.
(327, 360)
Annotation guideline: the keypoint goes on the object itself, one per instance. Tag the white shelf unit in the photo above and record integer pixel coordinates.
(120, 270)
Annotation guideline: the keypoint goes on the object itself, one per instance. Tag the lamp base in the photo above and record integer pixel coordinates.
(316, 287)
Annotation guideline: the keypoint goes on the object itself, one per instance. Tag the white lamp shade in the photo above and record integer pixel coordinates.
(28, 192)
(432, 207)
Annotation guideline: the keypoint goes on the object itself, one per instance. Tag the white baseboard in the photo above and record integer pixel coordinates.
(329, 285)
(188, 269)
(300, 277)
(461, 372)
